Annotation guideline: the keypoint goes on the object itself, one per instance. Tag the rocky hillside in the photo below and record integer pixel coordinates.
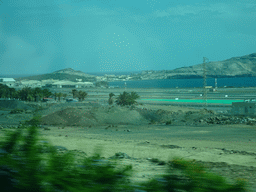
(64, 74)
(233, 67)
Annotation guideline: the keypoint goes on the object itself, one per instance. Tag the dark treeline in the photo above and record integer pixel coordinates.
(25, 94)
(35, 94)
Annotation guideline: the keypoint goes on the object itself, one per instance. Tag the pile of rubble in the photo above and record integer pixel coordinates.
(225, 120)
(201, 117)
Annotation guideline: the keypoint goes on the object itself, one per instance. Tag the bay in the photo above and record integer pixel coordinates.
(187, 83)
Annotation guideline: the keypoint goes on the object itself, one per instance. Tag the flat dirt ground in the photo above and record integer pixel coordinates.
(228, 150)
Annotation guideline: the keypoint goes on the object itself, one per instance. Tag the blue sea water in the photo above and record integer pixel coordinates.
(188, 83)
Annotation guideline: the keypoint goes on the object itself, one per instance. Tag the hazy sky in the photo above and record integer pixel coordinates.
(42, 36)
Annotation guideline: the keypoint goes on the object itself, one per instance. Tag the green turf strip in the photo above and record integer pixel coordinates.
(196, 101)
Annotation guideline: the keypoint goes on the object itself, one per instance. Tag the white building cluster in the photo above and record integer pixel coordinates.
(113, 78)
(49, 83)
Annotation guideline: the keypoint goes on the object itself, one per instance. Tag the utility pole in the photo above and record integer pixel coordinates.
(205, 82)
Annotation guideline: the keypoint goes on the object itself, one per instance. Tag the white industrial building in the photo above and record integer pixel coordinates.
(30, 83)
(10, 82)
(69, 84)
(51, 83)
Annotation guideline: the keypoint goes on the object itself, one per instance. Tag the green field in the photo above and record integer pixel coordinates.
(196, 101)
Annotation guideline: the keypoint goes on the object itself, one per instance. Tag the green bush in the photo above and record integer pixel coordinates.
(15, 111)
(188, 176)
(60, 172)
(152, 121)
(168, 122)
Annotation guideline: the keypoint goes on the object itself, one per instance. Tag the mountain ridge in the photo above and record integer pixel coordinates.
(243, 66)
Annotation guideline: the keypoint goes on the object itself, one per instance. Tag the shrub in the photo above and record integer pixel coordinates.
(168, 122)
(152, 121)
(187, 176)
(15, 111)
(60, 173)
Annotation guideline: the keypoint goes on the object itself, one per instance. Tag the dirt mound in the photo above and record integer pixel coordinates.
(88, 115)
(160, 116)
(75, 116)
(71, 116)
(14, 104)
(119, 115)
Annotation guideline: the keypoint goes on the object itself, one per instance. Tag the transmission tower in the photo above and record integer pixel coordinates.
(205, 82)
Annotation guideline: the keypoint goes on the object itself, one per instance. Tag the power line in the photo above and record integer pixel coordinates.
(205, 82)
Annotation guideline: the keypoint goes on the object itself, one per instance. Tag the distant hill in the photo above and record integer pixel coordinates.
(64, 74)
(244, 66)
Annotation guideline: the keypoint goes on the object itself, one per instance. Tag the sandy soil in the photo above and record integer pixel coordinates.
(233, 162)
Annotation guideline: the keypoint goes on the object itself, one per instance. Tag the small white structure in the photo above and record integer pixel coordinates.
(79, 80)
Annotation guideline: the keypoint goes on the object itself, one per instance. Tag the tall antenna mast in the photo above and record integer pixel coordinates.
(205, 83)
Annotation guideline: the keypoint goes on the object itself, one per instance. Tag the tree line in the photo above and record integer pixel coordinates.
(37, 94)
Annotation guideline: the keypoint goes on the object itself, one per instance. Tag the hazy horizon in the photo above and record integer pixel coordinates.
(38, 37)
(90, 73)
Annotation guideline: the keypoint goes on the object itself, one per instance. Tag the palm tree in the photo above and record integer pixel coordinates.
(64, 95)
(82, 95)
(16, 95)
(37, 92)
(46, 93)
(55, 95)
(74, 92)
(3, 93)
(59, 95)
(30, 97)
(134, 95)
(12, 92)
(110, 100)
(127, 98)
(26, 93)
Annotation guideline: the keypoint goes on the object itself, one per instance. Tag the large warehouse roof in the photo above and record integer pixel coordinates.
(6, 79)
(30, 82)
(72, 83)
